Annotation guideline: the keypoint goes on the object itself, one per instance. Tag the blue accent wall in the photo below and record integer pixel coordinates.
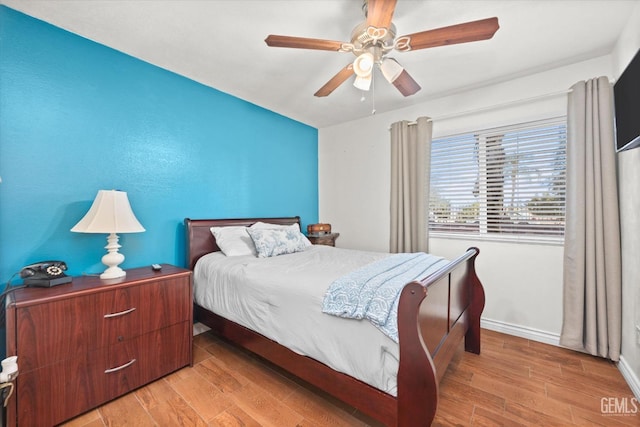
(77, 117)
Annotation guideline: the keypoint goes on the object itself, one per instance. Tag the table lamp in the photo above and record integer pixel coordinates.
(110, 213)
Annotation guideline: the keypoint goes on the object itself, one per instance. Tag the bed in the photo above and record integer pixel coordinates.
(435, 315)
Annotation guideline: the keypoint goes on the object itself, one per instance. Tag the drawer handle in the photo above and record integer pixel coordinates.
(121, 313)
(129, 363)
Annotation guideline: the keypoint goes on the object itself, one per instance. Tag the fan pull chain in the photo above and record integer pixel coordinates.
(373, 92)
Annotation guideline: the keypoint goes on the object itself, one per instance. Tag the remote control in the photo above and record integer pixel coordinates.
(156, 267)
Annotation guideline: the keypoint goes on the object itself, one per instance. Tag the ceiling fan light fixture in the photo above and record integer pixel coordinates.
(362, 82)
(363, 65)
(391, 70)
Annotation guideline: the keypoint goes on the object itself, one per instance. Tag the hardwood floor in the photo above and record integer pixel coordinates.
(514, 382)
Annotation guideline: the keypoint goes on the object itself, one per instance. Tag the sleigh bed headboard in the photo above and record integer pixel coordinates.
(200, 241)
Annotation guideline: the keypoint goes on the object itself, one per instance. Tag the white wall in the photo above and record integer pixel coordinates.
(629, 181)
(523, 282)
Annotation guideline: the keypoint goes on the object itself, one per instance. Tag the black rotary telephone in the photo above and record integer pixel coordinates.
(45, 274)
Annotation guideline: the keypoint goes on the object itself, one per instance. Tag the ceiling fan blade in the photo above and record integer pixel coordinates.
(461, 33)
(380, 13)
(302, 43)
(335, 81)
(405, 84)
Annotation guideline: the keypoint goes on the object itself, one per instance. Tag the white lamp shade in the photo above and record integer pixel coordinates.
(391, 70)
(362, 83)
(363, 65)
(109, 213)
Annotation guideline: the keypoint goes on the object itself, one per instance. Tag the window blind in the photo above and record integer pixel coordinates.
(501, 181)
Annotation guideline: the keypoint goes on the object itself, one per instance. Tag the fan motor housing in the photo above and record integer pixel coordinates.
(363, 37)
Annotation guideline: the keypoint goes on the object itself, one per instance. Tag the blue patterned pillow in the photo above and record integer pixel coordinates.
(278, 241)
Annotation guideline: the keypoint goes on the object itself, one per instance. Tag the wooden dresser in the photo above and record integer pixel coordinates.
(82, 344)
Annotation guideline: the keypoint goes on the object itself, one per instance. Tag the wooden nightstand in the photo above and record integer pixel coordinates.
(84, 343)
(328, 239)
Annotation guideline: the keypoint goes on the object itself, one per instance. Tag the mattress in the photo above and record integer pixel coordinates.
(281, 298)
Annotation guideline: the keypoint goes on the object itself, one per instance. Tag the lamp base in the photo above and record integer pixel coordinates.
(113, 273)
(112, 259)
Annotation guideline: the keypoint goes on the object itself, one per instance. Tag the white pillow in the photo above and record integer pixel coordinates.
(234, 241)
(266, 225)
(278, 241)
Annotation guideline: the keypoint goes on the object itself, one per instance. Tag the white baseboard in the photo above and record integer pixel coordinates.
(521, 331)
(629, 376)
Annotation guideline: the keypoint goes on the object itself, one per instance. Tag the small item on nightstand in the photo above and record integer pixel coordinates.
(45, 274)
(318, 229)
(156, 267)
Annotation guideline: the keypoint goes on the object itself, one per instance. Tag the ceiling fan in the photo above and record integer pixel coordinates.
(373, 39)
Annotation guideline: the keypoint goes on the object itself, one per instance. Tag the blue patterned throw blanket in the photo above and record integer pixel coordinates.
(372, 292)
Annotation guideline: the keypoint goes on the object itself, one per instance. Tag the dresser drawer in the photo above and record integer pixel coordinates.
(165, 303)
(53, 332)
(146, 358)
(98, 376)
(118, 315)
(51, 394)
(129, 312)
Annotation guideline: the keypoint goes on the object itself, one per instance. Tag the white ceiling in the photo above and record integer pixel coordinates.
(220, 43)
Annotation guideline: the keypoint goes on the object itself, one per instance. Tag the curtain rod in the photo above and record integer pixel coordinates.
(491, 107)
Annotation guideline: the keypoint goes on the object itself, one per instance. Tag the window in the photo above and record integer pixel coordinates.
(500, 183)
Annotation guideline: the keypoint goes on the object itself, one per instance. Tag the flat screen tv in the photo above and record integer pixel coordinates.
(626, 92)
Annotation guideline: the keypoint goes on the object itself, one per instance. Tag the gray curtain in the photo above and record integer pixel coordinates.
(592, 295)
(410, 168)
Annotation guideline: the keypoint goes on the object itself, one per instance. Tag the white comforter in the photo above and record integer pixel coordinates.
(281, 298)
